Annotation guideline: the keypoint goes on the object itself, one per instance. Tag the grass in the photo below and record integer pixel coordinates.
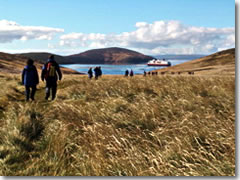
(117, 126)
(219, 64)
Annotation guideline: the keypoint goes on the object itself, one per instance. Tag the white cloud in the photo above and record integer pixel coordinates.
(50, 49)
(10, 31)
(159, 37)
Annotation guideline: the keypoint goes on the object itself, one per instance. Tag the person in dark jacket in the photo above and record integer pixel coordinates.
(30, 79)
(126, 73)
(144, 73)
(131, 73)
(90, 73)
(51, 73)
(99, 71)
(96, 72)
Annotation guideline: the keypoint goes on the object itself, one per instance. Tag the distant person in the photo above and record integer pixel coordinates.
(90, 73)
(96, 72)
(99, 71)
(51, 73)
(149, 73)
(131, 73)
(30, 79)
(126, 73)
(144, 73)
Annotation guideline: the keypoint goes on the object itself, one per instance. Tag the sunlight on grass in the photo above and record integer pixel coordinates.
(117, 126)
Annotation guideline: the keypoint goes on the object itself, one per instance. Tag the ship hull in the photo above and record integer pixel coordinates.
(158, 64)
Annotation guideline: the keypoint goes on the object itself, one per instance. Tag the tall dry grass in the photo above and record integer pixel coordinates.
(116, 126)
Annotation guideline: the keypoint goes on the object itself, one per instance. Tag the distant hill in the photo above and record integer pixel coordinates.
(109, 56)
(180, 56)
(96, 56)
(43, 56)
(220, 63)
(112, 55)
(106, 56)
(14, 64)
(10, 63)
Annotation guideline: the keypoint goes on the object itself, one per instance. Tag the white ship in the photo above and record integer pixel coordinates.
(158, 62)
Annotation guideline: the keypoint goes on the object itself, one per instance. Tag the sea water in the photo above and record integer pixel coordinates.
(119, 69)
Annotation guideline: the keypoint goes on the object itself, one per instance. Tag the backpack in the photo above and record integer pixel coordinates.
(50, 70)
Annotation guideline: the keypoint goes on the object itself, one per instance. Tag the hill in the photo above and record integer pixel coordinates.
(10, 63)
(43, 56)
(13, 64)
(220, 63)
(96, 56)
(110, 56)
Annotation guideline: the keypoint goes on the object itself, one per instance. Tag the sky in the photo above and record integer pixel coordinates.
(152, 27)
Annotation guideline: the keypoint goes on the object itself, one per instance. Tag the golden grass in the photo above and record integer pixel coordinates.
(116, 126)
(221, 63)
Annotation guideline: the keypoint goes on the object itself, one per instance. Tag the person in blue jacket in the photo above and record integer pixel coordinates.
(30, 79)
(51, 73)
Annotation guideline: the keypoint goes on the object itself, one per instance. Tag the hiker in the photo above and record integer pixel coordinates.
(51, 73)
(144, 73)
(30, 79)
(90, 73)
(96, 72)
(126, 73)
(131, 73)
(99, 71)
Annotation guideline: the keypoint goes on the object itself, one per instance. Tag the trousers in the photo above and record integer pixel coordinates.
(30, 92)
(51, 89)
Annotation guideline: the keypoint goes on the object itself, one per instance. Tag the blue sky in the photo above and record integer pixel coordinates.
(72, 26)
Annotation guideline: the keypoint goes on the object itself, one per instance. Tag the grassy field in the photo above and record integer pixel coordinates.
(115, 126)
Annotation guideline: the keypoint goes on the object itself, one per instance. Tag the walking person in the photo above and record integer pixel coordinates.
(144, 73)
(90, 73)
(51, 73)
(99, 71)
(131, 73)
(96, 72)
(126, 73)
(30, 79)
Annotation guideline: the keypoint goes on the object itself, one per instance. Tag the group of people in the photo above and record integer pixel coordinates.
(127, 73)
(97, 72)
(150, 73)
(51, 73)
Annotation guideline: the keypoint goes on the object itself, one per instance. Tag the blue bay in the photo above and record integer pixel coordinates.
(109, 69)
